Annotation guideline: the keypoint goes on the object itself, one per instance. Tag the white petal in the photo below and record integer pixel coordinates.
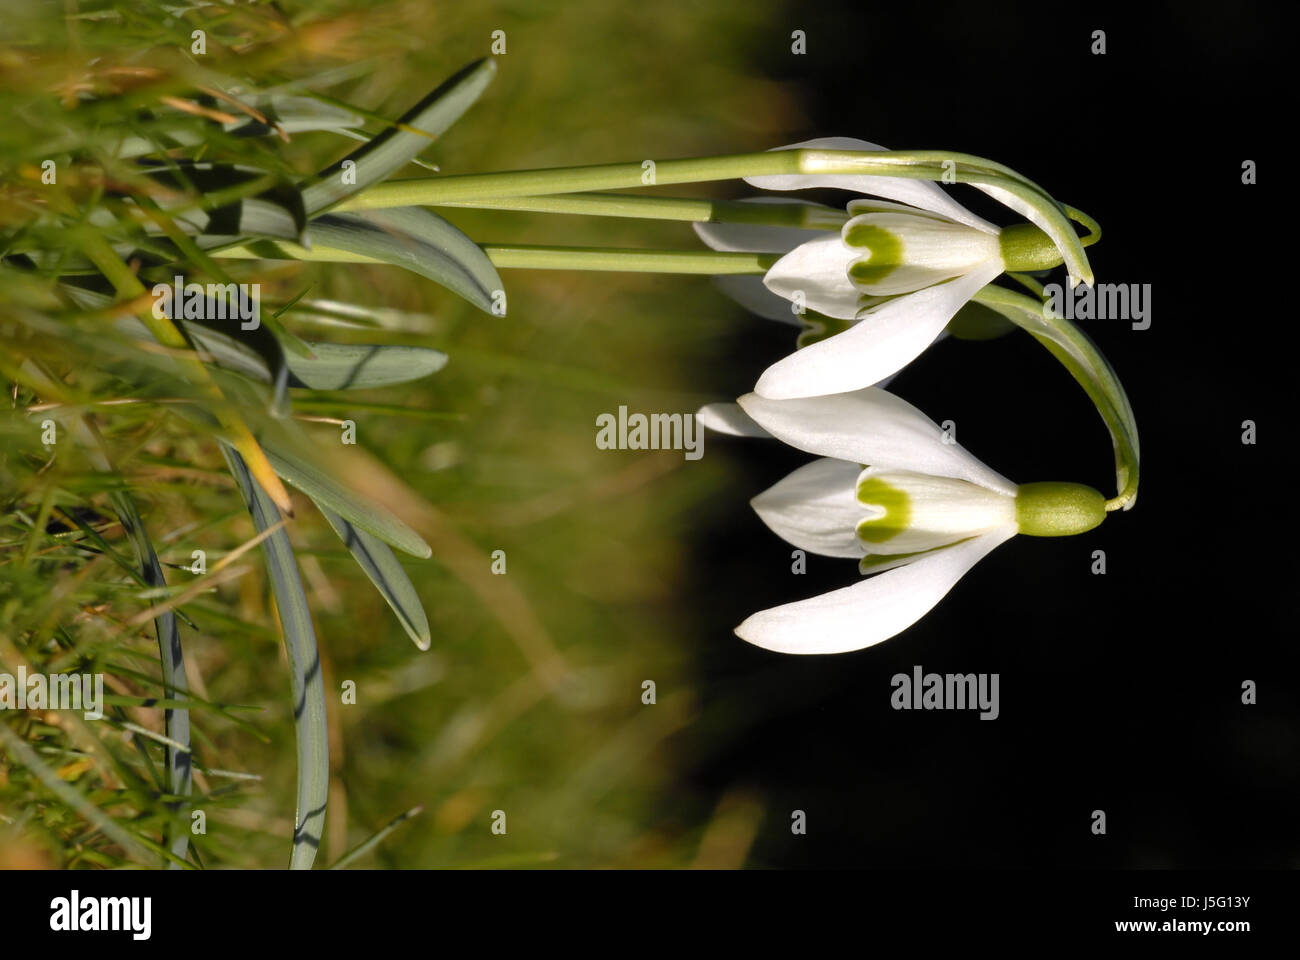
(886, 340)
(869, 612)
(930, 250)
(819, 269)
(758, 238)
(872, 427)
(750, 293)
(917, 193)
(940, 511)
(728, 418)
(815, 508)
(872, 205)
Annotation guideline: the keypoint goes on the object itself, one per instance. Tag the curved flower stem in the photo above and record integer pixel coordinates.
(517, 256)
(1090, 368)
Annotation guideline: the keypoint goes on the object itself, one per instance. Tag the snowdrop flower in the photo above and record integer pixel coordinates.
(894, 273)
(919, 515)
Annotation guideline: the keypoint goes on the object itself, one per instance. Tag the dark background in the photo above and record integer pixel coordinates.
(1119, 692)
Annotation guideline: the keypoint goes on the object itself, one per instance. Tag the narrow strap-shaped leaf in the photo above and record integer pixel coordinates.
(340, 366)
(291, 114)
(175, 686)
(418, 240)
(333, 366)
(327, 492)
(276, 212)
(304, 668)
(395, 147)
(385, 572)
(177, 722)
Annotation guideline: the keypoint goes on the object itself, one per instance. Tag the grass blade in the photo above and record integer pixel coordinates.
(361, 849)
(18, 750)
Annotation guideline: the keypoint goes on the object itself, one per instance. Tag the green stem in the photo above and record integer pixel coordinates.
(607, 176)
(919, 165)
(633, 261)
(633, 206)
(1091, 225)
(708, 262)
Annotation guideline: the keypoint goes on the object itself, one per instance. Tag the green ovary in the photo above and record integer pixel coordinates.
(897, 507)
(1025, 247)
(884, 252)
(1054, 509)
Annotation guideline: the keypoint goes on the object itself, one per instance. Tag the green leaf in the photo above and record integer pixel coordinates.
(417, 240)
(171, 655)
(304, 668)
(339, 366)
(292, 114)
(394, 148)
(385, 572)
(326, 492)
(275, 212)
(333, 366)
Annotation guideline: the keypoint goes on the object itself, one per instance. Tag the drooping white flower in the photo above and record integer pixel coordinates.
(917, 516)
(897, 271)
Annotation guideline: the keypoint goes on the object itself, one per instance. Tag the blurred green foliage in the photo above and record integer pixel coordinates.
(530, 700)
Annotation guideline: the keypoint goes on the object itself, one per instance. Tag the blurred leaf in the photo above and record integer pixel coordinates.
(275, 212)
(291, 114)
(392, 149)
(333, 366)
(418, 240)
(326, 492)
(338, 366)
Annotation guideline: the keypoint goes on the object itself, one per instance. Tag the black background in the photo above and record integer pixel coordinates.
(1119, 692)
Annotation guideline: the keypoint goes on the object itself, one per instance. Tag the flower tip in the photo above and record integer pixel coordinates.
(753, 633)
(773, 385)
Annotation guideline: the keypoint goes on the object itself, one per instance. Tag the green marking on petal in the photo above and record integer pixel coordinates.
(884, 252)
(897, 507)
